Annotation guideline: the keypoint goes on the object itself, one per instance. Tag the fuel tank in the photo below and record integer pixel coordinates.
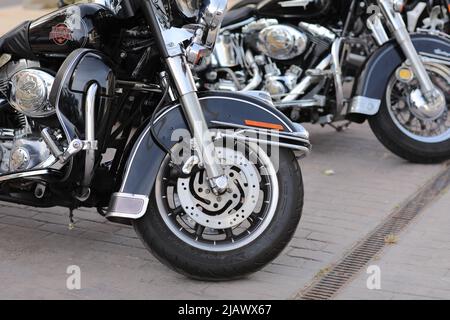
(65, 30)
(305, 10)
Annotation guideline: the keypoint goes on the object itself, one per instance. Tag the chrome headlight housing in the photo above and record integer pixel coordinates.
(189, 8)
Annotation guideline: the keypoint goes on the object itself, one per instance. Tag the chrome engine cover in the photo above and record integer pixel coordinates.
(28, 153)
(29, 93)
(21, 151)
(282, 42)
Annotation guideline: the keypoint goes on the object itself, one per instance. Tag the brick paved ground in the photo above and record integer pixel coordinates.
(418, 266)
(36, 246)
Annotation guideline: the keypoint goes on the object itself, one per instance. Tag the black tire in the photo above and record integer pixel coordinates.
(404, 146)
(228, 265)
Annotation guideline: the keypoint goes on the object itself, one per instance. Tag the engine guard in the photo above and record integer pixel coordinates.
(250, 118)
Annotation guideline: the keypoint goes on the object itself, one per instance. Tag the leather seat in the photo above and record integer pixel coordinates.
(16, 42)
(238, 15)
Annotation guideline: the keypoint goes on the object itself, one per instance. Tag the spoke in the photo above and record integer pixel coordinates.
(423, 125)
(410, 119)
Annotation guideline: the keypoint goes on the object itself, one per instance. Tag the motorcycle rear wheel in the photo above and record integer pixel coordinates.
(202, 259)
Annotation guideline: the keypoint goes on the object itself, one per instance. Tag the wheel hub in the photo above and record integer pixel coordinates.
(424, 109)
(226, 210)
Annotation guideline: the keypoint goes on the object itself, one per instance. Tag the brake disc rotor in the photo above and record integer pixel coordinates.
(229, 209)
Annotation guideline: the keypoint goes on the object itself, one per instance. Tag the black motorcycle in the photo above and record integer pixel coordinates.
(100, 109)
(325, 61)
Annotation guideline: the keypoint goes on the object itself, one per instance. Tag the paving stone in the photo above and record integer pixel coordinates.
(417, 266)
(17, 212)
(61, 229)
(21, 222)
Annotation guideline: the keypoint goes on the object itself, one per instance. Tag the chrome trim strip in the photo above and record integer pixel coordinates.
(26, 174)
(240, 137)
(429, 57)
(298, 136)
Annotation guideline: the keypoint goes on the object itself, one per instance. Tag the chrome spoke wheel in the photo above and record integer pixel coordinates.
(220, 222)
(400, 102)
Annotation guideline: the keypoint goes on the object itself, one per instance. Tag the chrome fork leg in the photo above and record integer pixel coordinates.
(187, 90)
(398, 28)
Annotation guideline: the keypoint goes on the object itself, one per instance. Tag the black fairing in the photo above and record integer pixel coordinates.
(70, 28)
(82, 68)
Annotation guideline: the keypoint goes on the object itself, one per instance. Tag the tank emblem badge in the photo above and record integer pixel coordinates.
(61, 33)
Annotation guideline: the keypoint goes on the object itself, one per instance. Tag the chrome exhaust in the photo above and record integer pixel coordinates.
(257, 78)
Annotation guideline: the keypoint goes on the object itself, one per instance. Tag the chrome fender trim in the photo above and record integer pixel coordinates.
(128, 206)
(365, 105)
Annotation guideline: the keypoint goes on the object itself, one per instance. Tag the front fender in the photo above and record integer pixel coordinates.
(374, 78)
(222, 110)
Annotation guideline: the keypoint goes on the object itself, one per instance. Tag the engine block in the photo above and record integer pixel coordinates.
(21, 151)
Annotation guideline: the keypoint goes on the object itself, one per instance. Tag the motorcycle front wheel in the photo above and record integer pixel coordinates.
(404, 131)
(222, 237)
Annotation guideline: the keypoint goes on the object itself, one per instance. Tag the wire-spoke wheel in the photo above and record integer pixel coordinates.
(407, 132)
(217, 237)
(399, 99)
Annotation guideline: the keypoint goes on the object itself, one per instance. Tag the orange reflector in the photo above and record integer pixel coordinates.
(264, 125)
(448, 7)
(405, 74)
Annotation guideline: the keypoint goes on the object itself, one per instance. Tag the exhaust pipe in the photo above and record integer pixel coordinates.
(257, 78)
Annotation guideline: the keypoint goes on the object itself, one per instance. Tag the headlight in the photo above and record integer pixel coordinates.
(189, 8)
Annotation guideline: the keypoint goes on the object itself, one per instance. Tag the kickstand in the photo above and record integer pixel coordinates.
(341, 127)
(72, 222)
